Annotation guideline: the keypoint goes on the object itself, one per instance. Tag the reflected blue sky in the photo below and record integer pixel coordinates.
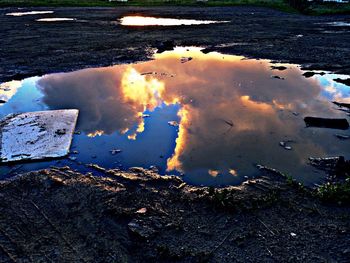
(232, 114)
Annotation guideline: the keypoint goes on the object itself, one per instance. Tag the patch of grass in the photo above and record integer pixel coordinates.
(338, 193)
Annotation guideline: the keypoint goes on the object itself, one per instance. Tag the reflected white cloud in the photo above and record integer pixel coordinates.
(155, 21)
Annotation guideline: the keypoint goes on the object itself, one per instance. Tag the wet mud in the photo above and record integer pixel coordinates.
(95, 38)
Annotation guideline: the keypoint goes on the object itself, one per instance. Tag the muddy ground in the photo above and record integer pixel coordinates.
(60, 215)
(29, 48)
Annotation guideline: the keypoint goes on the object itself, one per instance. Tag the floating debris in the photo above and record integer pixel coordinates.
(146, 116)
(173, 123)
(277, 77)
(342, 137)
(185, 59)
(343, 81)
(309, 74)
(37, 135)
(115, 151)
(342, 105)
(285, 146)
(278, 68)
(326, 123)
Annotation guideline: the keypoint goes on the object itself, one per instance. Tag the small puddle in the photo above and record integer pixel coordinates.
(154, 21)
(55, 19)
(208, 117)
(338, 23)
(29, 13)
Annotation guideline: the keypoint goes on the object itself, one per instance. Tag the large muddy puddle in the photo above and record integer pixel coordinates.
(210, 118)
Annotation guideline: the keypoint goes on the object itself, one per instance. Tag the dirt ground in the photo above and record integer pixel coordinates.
(29, 48)
(60, 215)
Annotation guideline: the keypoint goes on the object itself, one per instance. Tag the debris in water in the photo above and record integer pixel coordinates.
(342, 137)
(173, 123)
(343, 81)
(293, 234)
(33, 135)
(276, 77)
(342, 105)
(278, 68)
(285, 146)
(185, 59)
(146, 116)
(115, 151)
(309, 74)
(326, 123)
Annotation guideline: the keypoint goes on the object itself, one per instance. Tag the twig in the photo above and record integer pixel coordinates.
(221, 243)
(266, 226)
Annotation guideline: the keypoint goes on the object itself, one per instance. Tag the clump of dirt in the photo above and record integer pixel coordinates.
(61, 215)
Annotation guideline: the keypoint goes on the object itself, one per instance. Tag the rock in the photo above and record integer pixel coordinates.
(326, 123)
(33, 135)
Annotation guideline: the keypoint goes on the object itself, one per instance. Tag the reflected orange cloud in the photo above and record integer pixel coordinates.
(232, 113)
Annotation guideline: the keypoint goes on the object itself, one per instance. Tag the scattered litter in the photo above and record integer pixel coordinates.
(173, 123)
(293, 234)
(326, 123)
(75, 152)
(33, 135)
(146, 116)
(72, 158)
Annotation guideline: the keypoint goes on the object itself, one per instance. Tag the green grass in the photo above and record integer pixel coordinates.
(338, 193)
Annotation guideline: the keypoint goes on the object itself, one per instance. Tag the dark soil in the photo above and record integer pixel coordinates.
(29, 48)
(59, 215)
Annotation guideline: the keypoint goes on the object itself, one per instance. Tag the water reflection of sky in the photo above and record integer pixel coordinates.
(232, 114)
